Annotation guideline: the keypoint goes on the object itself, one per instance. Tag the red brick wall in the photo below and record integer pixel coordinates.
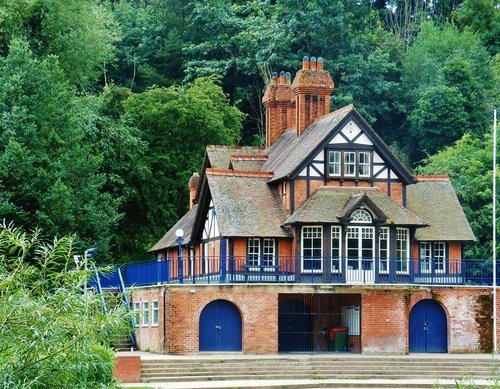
(150, 337)
(127, 368)
(258, 307)
(385, 315)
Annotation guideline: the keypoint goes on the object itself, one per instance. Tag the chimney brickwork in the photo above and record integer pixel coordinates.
(194, 181)
(312, 88)
(299, 103)
(279, 103)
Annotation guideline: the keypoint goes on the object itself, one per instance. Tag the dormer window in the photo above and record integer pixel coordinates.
(361, 216)
(349, 164)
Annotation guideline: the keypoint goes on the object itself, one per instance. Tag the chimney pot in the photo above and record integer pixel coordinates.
(288, 76)
(313, 63)
(282, 78)
(305, 62)
(319, 63)
(274, 77)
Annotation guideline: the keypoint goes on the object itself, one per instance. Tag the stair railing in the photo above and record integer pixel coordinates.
(99, 290)
(121, 287)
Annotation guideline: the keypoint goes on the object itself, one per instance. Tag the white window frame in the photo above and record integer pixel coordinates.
(364, 166)
(425, 254)
(253, 252)
(384, 258)
(145, 313)
(349, 164)
(335, 163)
(155, 313)
(268, 252)
(316, 233)
(137, 314)
(336, 260)
(439, 256)
(402, 250)
(361, 216)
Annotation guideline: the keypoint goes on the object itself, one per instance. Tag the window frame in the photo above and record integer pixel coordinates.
(343, 163)
(434, 256)
(336, 260)
(311, 258)
(137, 314)
(155, 313)
(145, 314)
(384, 235)
(402, 262)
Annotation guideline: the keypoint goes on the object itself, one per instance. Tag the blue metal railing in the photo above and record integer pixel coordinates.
(329, 270)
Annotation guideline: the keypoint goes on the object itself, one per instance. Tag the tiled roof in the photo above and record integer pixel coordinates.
(250, 162)
(434, 199)
(219, 157)
(289, 152)
(328, 205)
(246, 205)
(186, 223)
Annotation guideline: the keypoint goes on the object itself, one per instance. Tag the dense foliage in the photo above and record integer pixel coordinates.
(52, 334)
(107, 105)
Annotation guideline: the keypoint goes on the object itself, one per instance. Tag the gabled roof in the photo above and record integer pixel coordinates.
(433, 198)
(289, 153)
(219, 157)
(185, 223)
(249, 162)
(246, 205)
(331, 204)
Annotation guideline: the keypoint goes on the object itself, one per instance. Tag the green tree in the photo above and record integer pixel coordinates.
(482, 17)
(80, 33)
(51, 173)
(52, 334)
(176, 123)
(468, 163)
(448, 84)
(150, 50)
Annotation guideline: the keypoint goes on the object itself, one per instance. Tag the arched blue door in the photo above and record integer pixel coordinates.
(428, 328)
(220, 327)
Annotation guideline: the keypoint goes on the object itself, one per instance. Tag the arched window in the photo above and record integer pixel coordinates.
(361, 216)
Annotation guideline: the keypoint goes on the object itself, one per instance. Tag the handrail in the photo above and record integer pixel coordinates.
(99, 290)
(126, 301)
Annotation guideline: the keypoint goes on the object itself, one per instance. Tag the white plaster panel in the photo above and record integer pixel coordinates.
(351, 130)
(303, 173)
(363, 140)
(376, 158)
(320, 156)
(320, 167)
(338, 139)
(383, 174)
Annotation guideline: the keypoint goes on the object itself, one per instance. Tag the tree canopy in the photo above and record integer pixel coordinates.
(107, 104)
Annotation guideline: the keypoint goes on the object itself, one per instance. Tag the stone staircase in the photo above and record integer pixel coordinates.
(351, 371)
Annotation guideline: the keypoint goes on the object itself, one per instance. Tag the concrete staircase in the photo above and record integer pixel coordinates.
(357, 371)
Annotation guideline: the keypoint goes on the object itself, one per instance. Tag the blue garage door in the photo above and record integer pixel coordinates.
(220, 327)
(428, 329)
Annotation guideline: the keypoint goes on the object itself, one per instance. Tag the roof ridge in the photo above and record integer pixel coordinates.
(239, 173)
(433, 177)
(251, 157)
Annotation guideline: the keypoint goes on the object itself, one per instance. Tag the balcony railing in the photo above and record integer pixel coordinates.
(326, 270)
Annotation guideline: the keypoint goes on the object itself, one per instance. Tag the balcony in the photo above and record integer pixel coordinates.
(298, 270)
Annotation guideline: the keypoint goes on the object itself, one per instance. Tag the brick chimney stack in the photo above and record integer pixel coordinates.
(279, 103)
(194, 181)
(312, 88)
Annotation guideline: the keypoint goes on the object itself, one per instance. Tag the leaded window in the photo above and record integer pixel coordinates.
(361, 216)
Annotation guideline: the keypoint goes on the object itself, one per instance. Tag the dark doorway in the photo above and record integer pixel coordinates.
(428, 328)
(309, 322)
(220, 327)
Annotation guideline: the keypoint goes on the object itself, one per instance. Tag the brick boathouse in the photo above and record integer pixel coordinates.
(320, 242)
